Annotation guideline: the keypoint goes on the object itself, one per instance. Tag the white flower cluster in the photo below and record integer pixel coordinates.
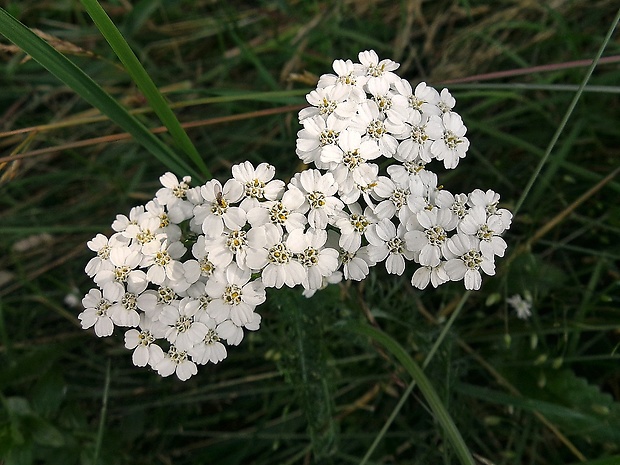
(326, 224)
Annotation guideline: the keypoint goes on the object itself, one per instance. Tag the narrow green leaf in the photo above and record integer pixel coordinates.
(65, 70)
(428, 391)
(143, 81)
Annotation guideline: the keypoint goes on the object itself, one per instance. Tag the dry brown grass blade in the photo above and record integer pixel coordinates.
(125, 136)
(10, 169)
(361, 403)
(63, 46)
(532, 69)
(66, 257)
(552, 223)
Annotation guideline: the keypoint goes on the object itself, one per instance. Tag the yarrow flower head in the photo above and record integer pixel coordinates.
(185, 273)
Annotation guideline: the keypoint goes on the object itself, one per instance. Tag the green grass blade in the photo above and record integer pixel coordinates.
(143, 81)
(567, 115)
(401, 402)
(431, 396)
(103, 414)
(65, 70)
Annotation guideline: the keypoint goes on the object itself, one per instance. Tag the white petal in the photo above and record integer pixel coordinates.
(140, 356)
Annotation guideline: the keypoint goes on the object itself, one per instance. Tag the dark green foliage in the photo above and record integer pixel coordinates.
(303, 352)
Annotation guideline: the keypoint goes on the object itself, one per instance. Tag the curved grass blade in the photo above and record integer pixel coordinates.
(431, 396)
(67, 72)
(444, 332)
(139, 75)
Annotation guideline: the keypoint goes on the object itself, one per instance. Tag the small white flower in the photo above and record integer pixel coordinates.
(364, 182)
(349, 159)
(258, 183)
(334, 278)
(356, 265)
(394, 110)
(176, 361)
(523, 307)
(217, 211)
(121, 222)
(210, 349)
(430, 239)
(143, 231)
(153, 302)
(450, 143)
(121, 272)
(274, 256)
(457, 204)
(319, 193)
(423, 192)
(354, 226)
(416, 143)
(195, 198)
(468, 261)
(192, 272)
(347, 74)
(96, 307)
(370, 122)
(285, 213)
(123, 312)
(422, 100)
(329, 100)
(102, 246)
(169, 217)
(230, 245)
(375, 70)
(318, 260)
(387, 243)
(408, 174)
(317, 134)
(233, 296)
(446, 101)
(142, 342)
(490, 200)
(199, 251)
(183, 331)
(162, 261)
(233, 333)
(395, 198)
(487, 229)
(173, 190)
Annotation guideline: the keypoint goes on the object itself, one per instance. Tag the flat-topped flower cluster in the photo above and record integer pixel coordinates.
(186, 271)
